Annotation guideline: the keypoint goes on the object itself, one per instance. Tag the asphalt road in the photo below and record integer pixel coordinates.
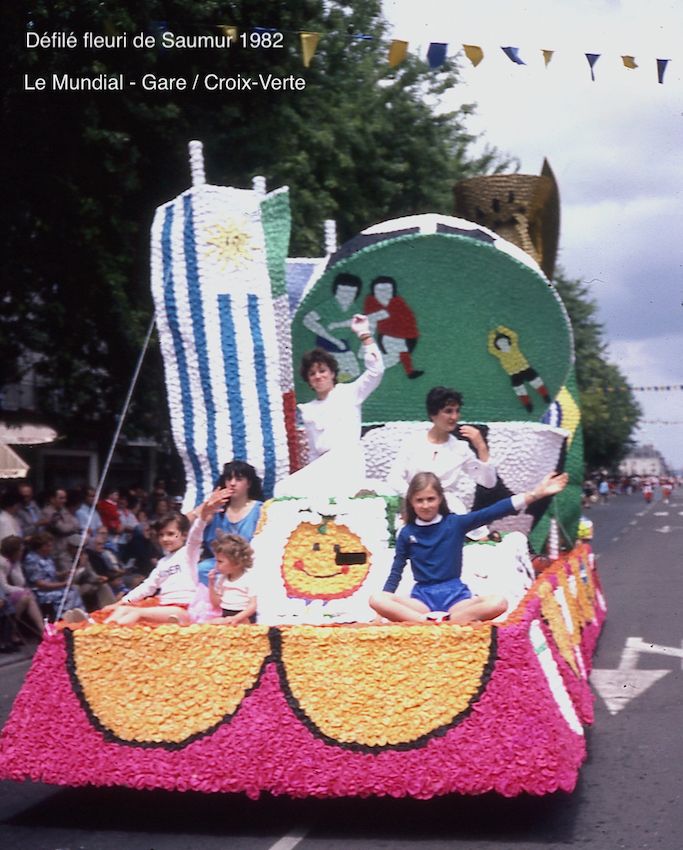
(629, 791)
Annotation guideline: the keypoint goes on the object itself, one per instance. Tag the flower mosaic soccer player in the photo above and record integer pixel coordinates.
(432, 540)
(503, 344)
(332, 421)
(396, 324)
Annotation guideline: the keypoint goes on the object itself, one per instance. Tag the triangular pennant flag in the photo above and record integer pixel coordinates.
(629, 61)
(231, 32)
(661, 68)
(397, 52)
(512, 54)
(547, 56)
(309, 44)
(592, 59)
(436, 54)
(474, 54)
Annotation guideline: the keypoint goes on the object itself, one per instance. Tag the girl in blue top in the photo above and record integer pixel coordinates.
(242, 512)
(432, 540)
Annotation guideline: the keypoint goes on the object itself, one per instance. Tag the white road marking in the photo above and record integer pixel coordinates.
(661, 513)
(618, 687)
(289, 841)
(633, 522)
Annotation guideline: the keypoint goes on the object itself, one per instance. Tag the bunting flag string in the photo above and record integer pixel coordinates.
(474, 53)
(660, 422)
(592, 59)
(512, 54)
(398, 51)
(436, 55)
(309, 44)
(663, 388)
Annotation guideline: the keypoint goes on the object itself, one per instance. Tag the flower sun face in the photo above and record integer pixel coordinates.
(230, 245)
(324, 561)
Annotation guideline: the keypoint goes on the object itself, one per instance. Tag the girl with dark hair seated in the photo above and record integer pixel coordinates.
(242, 486)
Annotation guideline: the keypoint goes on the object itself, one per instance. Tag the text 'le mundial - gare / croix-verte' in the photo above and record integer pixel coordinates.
(156, 82)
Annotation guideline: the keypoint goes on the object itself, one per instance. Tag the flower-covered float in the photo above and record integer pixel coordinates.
(316, 699)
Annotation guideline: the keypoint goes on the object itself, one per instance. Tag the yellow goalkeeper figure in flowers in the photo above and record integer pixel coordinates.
(503, 344)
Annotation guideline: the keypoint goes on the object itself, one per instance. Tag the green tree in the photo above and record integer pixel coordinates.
(609, 409)
(85, 170)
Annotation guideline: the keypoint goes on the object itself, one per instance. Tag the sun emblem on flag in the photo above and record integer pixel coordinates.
(231, 245)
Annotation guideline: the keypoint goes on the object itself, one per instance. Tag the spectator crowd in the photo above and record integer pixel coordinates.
(63, 549)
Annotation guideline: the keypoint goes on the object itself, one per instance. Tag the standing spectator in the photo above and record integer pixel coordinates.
(603, 490)
(58, 519)
(84, 511)
(29, 512)
(10, 502)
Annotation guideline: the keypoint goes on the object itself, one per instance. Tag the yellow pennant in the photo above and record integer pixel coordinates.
(397, 52)
(629, 61)
(231, 32)
(547, 56)
(309, 44)
(474, 54)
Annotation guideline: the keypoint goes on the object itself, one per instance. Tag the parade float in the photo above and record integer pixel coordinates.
(316, 700)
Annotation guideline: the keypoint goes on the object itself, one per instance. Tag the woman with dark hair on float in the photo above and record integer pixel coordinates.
(435, 449)
(242, 486)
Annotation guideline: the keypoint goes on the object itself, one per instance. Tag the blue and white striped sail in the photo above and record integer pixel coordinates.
(219, 339)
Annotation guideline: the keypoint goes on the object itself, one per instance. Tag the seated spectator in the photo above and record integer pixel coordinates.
(106, 563)
(8, 639)
(108, 509)
(142, 552)
(42, 575)
(13, 584)
(87, 517)
(93, 587)
(129, 520)
(10, 503)
(160, 508)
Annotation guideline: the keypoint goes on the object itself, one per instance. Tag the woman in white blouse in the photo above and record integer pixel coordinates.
(436, 450)
(332, 421)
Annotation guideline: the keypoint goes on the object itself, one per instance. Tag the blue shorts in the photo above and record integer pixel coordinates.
(441, 595)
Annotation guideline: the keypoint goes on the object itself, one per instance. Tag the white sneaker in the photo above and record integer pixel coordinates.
(436, 616)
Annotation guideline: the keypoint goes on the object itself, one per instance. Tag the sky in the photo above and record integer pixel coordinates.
(615, 146)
